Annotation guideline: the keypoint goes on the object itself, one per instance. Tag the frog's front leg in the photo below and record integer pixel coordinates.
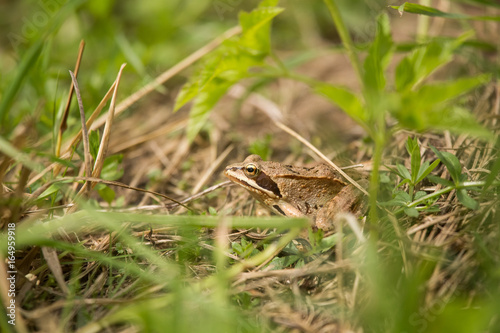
(348, 200)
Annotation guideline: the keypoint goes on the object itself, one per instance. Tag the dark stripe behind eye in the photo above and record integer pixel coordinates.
(267, 183)
(279, 209)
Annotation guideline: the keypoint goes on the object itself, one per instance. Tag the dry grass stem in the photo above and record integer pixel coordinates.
(63, 124)
(85, 134)
(103, 147)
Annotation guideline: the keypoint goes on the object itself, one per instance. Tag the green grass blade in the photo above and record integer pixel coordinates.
(8, 149)
(27, 62)
(430, 11)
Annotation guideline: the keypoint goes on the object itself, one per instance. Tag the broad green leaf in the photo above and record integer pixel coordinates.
(419, 194)
(428, 107)
(112, 169)
(188, 91)
(424, 60)
(426, 169)
(48, 192)
(403, 171)
(402, 196)
(416, 114)
(439, 92)
(256, 29)
(430, 11)
(466, 200)
(228, 65)
(379, 56)
(346, 100)
(457, 120)
(439, 180)
(198, 81)
(203, 103)
(329, 242)
(411, 212)
(106, 193)
(451, 163)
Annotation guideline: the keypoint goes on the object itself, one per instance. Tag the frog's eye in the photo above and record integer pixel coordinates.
(251, 170)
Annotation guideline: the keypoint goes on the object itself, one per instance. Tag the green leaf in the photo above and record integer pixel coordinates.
(411, 212)
(433, 209)
(379, 56)
(328, 242)
(451, 163)
(236, 247)
(256, 28)
(111, 168)
(439, 92)
(458, 120)
(429, 11)
(440, 181)
(402, 196)
(415, 159)
(466, 200)
(346, 100)
(420, 63)
(403, 171)
(201, 108)
(404, 181)
(94, 142)
(283, 262)
(429, 108)
(228, 65)
(48, 192)
(212, 211)
(419, 194)
(187, 93)
(106, 193)
(426, 169)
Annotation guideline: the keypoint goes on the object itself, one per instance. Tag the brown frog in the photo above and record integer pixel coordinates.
(318, 191)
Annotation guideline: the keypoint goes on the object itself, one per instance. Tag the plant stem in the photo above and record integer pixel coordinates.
(466, 185)
(345, 37)
(423, 23)
(374, 185)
